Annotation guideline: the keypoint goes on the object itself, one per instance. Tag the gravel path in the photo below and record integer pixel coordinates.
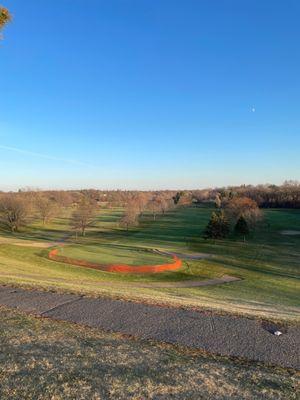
(224, 335)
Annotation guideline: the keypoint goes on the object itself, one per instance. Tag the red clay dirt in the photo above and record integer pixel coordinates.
(122, 268)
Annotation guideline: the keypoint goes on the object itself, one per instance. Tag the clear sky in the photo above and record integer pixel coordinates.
(149, 94)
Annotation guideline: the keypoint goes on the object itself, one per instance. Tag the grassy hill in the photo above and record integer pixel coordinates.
(268, 262)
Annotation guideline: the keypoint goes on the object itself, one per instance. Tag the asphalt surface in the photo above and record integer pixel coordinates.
(223, 335)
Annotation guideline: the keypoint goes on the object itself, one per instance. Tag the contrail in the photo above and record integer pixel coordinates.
(46, 156)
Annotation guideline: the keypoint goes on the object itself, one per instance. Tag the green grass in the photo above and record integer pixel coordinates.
(46, 359)
(113, 254)
(268, 262)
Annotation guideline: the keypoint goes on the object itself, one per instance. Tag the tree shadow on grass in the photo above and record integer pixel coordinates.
(242, 265)
(67, 361)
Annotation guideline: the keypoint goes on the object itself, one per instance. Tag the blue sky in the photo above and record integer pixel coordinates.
(149, 94)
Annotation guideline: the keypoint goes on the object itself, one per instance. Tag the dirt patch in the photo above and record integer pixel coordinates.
(290, 232)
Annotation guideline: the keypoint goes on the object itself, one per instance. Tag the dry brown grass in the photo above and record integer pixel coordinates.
(44, 359)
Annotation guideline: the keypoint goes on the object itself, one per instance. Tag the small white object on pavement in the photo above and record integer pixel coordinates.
(277, 333)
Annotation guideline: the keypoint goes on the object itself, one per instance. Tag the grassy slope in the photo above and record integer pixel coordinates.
(268, 262)
(113, 254)
(48, 359)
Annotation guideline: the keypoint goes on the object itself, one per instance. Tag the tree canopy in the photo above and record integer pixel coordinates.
(241, 227)
(5, 17)
(217, 227)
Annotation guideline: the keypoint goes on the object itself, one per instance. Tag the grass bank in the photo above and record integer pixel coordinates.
(48, 359)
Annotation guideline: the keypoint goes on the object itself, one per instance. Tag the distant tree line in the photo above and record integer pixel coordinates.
(286, 195)
(18, 209)
(236, 207)
(139, 203)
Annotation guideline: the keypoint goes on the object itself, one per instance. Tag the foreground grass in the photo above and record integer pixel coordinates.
(43, 359)
(268, 263)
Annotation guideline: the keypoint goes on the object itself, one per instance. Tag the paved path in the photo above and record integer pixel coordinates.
(224, 335)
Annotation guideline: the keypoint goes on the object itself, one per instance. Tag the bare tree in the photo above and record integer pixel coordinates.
(243, 207)
(46, 208)
(166, 203)
(185, 199)
(65, 198)
(131, 214)
(141, 200)
(83, 216)
(154, 206)
(14, 211)
(160, 203)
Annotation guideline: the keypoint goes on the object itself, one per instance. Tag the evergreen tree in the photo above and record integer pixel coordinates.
(176, 198)
(241, 227)
(217, 227)
(83, 216)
